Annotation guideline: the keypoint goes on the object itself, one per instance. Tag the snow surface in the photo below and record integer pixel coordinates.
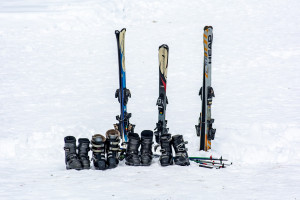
(59, 72)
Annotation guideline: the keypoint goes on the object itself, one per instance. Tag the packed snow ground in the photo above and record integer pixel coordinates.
(59, 72)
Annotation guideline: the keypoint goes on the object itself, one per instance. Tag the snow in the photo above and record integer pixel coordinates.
(58, 62)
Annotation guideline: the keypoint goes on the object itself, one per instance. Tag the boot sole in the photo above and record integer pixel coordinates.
(131, 164)
(145, 164)
(68, 168)
(166, 164)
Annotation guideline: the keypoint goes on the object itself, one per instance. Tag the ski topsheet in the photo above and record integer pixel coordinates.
(162, 101)
(124, 127)
(204, 128)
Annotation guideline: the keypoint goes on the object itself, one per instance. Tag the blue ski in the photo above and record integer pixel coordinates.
(124, 127)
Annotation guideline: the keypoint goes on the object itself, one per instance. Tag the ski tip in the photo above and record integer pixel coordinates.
(207, 27)
(164, 46)
(118, 32)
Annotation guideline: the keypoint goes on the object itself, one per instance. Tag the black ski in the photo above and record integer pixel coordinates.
(162, 101)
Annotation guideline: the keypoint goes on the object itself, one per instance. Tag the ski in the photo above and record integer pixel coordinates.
(123, 125)
(204, 128)
(162, 101)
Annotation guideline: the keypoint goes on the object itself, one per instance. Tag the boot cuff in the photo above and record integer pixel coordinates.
(177, 137)
(98, 138)
(134, 136)
(147, 134)
(112, 133)
(70, 139)
(83, 140)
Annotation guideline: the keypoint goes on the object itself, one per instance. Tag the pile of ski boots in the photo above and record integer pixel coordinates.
(106, 150)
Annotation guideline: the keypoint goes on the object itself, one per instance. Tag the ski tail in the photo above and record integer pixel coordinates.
(124, 127)
(162, 101)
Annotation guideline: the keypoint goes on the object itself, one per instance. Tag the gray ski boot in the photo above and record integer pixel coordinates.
(146, 147)
(98, 148)
(112, 148)
(181, 157)
(83, 152)
(166, 157)
(71, 159)
(132, 151)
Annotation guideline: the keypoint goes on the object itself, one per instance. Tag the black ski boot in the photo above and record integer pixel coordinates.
(132, 151)
(181, 157)
(98, 148)
(71, 158)
(83, 152)
(146, 147)
(112, 148)
(166, 157)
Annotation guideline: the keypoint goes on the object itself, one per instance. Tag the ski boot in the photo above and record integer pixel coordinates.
(181, 157)
(166, 157)
(146, 147)
(98, 148)
(132, 152)
(112, 148)
(71, 159)
(83, 152)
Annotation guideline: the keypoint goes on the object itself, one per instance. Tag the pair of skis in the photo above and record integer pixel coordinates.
(204, 127)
